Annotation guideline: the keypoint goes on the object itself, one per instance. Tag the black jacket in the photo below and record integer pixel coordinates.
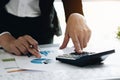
(48, 14)
(48, 18)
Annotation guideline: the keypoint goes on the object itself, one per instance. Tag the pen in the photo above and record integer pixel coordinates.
(29, 54)
(1, 48)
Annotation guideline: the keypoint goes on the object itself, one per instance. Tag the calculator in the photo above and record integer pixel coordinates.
(84, 58)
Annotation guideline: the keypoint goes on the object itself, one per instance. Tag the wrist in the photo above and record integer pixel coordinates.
(4, 38)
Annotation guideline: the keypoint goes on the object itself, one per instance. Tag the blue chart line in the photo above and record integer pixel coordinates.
(41, 61)
(45, 52)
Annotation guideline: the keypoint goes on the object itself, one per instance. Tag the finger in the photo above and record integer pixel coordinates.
(65, 42)
(81, 40)
(87, 35)
(22, 44)
(76, 43)
(32, 41)
(84, 38)
(15, 51)
(22, 49)
(34, 52)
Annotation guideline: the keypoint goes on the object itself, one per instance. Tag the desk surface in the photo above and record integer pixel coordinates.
(103, 38)
(109, 70)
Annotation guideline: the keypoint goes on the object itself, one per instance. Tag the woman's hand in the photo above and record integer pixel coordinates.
(78, 31)
(19, 46)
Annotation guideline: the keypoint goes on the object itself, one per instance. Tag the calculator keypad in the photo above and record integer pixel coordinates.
(74, 55)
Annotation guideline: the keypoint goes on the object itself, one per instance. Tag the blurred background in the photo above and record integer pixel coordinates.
(102, 16)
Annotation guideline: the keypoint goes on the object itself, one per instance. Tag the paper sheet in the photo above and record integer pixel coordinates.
(47, 62)
(55, 70)
(7, 62)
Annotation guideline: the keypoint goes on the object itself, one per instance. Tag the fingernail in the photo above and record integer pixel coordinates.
(38, 56)
(79, 51)
(60, 47)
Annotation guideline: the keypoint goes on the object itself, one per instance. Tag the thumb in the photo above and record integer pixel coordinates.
(65, 42)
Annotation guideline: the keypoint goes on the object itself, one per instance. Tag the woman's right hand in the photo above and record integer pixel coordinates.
(19, 46)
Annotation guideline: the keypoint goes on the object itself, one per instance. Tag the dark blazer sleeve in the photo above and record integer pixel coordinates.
(2, 6)
(72, 6)
(2, 3)
(49, 13)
